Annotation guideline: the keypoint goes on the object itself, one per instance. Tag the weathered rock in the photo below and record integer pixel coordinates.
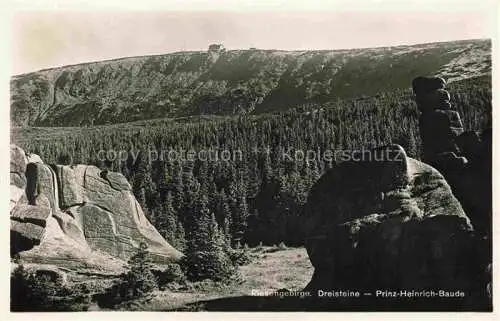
(462, 157)
(70, 227)
(425, 84)
(18, 180)
(470, 144)
(18, 160)
(453, 118)
(34, 158)
(387, 224)
(28, 224)
(439, 135)
(118, 181)
(93, 218)
(59, 249)
(434, 100)
(109, 215)
(18, 164)
(439, 125)
(33, 214)
(24, 235)
(71, 189)
(41, 182)
(16, 194)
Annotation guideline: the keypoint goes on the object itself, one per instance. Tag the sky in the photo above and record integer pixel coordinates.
(48, 34)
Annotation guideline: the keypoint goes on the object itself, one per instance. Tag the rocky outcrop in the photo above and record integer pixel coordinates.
(439, 125)
(463, 157)
(32, 200)
(77, 214)
(385, 222)
(390, 222)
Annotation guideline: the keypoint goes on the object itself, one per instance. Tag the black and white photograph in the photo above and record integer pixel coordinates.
(317, 157)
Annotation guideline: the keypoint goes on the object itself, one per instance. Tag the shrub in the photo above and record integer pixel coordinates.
(208, 265)
(206, 256)
(172, 273)
(45, 291)
(239, 257)
(65, 159)
(140, 278)
(137, 282)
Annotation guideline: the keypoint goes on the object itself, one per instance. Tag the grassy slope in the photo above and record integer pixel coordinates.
(270, 269)
(232, 82)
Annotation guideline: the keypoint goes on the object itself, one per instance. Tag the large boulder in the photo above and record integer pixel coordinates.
(386, 221)
(107, 212)
(77, 216)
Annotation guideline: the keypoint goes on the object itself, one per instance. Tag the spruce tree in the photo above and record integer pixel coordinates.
(239, 220)
(167, 221)
(206, 254)
(140, 279)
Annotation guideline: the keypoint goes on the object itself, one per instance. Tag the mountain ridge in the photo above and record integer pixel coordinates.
(232, 82)
(105, 60)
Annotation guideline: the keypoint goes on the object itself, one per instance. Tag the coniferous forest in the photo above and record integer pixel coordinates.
(259, 169)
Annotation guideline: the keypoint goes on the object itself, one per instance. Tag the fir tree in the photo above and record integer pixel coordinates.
(167, 222)
(206, 253)
(140, 279)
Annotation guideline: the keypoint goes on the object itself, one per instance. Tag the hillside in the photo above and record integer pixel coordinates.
(220, 82)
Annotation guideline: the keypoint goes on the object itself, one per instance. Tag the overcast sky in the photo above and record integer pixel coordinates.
(55, 37)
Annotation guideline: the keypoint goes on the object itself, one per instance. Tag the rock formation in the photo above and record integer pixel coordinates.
(390, 222)
(77, 215)
(464, 158)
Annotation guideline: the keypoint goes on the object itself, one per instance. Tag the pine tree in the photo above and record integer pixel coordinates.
(206, 254)
(191, 192)
(239, 220)
(227, 229)
(180, 237)
(140, 280)
(141, 179)
(177, 187)
(166, 223)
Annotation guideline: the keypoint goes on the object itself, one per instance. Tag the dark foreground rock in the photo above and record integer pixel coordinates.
(388, 224)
